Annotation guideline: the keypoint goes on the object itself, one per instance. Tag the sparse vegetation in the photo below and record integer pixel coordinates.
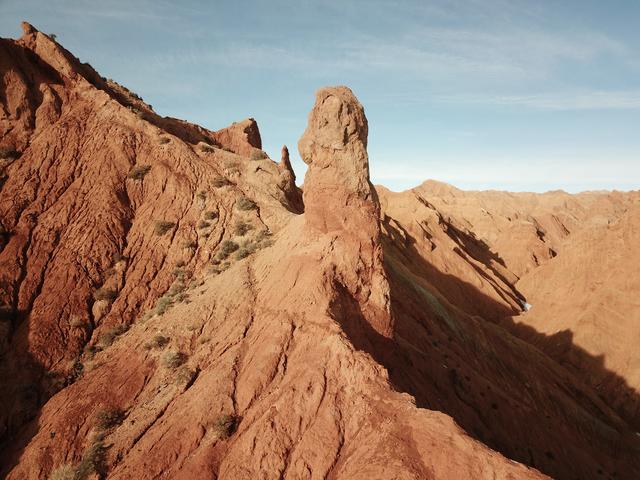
(241, 228)
(63, 472)
(184, 375)
(140, 114)
(243, 252)
(164, 140)
(232, 166)
(245, 203)
(202, 195)
(108, 418)
(163, 226)
(75, 321)
(190, 244)
(93, 460)
(176, 288)
(225, 425)
(119, 257)
(163, 304)
(203, 224)
(159, 341)
(104, 293)
(110, 335)
(220, 182)
(227, 248)
(174, 359)
(179, 273)
(211, 215)
(258, 155)
(205, 147)
(9, 154)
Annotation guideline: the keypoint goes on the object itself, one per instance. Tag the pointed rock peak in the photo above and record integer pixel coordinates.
(250, 128)
(28, 29)
(240, 137)
(334, 145)
(285, 163)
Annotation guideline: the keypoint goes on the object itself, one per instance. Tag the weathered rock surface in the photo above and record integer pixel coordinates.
(170, 314)
(103, 196)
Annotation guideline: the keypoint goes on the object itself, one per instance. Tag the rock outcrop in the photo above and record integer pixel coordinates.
(341, 202)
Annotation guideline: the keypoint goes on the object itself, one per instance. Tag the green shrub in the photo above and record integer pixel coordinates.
(258, 155)
(138, 172)
(104, 293)
(220, 182)
(163, 226)
(174, 359)
(225, 425)
(244, 203)
(242, 227)
(108, 418)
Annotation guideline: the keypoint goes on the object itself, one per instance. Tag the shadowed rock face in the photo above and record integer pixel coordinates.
(198, 327)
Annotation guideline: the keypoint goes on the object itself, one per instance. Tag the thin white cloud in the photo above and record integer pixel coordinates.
(580, 100)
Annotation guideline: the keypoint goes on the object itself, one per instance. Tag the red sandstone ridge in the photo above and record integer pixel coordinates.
(170, 312)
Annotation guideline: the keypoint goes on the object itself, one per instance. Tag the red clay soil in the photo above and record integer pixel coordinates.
(169, 312)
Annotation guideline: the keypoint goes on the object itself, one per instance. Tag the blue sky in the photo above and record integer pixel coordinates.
(506, 94)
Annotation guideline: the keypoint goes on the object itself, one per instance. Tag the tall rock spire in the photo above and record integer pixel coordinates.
(340, 200)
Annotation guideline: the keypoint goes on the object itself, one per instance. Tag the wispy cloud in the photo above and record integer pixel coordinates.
(580, 100)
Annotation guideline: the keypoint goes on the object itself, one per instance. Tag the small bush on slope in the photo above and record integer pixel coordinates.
(163, 226)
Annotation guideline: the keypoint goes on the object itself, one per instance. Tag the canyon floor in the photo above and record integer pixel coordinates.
(175, 306)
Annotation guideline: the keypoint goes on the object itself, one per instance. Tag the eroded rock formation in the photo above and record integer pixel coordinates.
(169, 313)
